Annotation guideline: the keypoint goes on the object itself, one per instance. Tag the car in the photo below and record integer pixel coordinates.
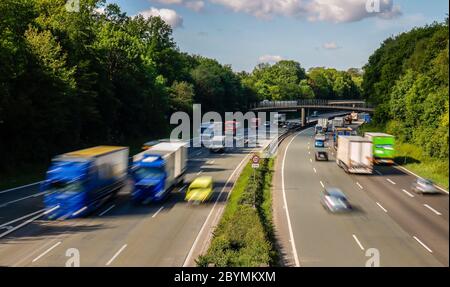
(200, 190)
(267, 124)
(334, 200)
(424, 186)
(217, 144)
(321, 156)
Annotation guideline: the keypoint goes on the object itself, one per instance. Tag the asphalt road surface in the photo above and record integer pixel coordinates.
(404, 228)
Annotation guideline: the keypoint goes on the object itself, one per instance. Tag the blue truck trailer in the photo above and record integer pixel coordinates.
(157, 170)
(79, 182)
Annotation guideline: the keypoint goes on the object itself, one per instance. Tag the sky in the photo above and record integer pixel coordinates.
(328, 33)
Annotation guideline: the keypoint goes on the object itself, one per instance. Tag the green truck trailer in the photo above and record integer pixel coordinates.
(383, 147)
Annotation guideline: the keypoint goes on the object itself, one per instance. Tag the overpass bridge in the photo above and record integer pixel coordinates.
(301, 105)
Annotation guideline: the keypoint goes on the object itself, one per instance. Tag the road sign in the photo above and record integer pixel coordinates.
(255, 161)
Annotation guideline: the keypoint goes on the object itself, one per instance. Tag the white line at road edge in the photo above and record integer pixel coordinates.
(191, 251)
(19, 187)
(384, 209)
(117, 254)
(46, 251)
(432, 209)
(20, 218)
(28, 221)
(359, 243)
(407, 170)
(408, 193)
(423, 244)
(291, 234)
(157, 212)
(20, 199)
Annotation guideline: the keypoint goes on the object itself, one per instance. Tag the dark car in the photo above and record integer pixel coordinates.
(321, 156)
(334, 200)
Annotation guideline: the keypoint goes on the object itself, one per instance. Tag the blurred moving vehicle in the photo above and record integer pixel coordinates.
(319, 141)
(334, 200)
(157, 170)
(354, 154)
(383, 147)
(200, 190)
(267, 124)
(217, 144)
(79, 182)
(231, 127)
(321, 156)
(424, 186)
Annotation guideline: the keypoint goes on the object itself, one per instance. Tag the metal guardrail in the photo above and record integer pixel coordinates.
(312, 103)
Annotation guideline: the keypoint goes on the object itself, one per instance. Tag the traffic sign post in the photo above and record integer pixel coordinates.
(255, 161)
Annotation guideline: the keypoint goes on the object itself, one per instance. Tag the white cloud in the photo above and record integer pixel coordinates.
(196, 5)
(330, 46)
(168, 15)
(336, 11)
(270, 59)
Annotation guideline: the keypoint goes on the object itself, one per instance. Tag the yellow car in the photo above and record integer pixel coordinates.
(200, 190)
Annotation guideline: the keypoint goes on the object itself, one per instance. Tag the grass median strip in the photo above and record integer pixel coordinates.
(244, 235)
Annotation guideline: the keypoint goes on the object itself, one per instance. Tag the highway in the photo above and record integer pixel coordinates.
(172, 233)
(405, 228)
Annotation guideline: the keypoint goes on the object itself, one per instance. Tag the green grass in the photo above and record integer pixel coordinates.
(414, 159)
(244, 236)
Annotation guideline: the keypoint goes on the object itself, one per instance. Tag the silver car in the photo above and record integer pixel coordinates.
(424, 186)
(334, 200)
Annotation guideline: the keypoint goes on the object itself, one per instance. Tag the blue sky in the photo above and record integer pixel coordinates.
(330, 33)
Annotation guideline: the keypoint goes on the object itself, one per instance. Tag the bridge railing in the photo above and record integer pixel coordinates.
(312, 103)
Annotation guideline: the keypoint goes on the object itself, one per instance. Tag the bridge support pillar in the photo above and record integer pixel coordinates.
(302, 117)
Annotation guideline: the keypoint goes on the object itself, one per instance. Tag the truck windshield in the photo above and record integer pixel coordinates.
(62, 187)
(148, 172)
(386, 147)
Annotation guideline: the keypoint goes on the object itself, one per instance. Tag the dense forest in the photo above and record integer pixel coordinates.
(407, 79)
(73, 79)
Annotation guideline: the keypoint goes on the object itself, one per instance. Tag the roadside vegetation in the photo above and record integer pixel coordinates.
(245, 236)
(407, 78)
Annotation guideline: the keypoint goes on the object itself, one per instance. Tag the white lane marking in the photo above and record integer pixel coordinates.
(210, 162)
(20, 199)
(359, 185)
(157, 212)
(423, 244)
(200, 172)
(310, 159)
(104, 212)
(407, 170)
(315, 170)
(321, 183)
(191, 251)
(181, 189)
(291, 234)
(384, 209)
(117, 254)
(408, 193)
(79, 211)
(27, 222)
(46, 251)
(432, 209)
(379, 173)
(19, 187)
(309, 152)
(20, 218)
(359, 243)
(388, 179)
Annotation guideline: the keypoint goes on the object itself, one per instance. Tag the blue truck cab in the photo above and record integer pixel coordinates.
(157, 170)
(319, 141)
(78, 182)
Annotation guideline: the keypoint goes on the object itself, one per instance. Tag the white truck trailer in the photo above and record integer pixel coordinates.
(354, 154)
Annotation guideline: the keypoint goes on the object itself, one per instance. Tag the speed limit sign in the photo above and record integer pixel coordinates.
(255, 161)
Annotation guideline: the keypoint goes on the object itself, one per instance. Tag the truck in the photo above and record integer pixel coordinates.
(319, 141)
(156, 171)
(323, 122)
(354, 154)
(78, 182)
(348, 120)
(365, 117)
(338, 122)
(383, 147)
(318, 129)
(354, 116)
(341, 132)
